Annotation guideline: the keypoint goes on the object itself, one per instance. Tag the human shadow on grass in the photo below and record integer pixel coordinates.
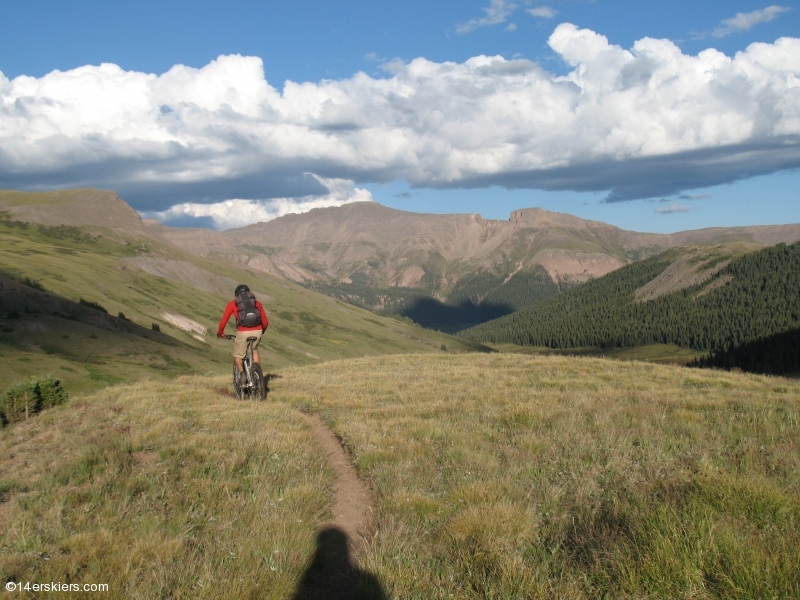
(331, 575)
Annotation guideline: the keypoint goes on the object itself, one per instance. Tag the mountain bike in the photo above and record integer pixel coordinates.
(255, 387)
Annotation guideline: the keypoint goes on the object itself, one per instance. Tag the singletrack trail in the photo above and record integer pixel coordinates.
(352, 503)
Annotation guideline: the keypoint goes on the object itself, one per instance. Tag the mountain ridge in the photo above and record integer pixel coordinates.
(386, 259)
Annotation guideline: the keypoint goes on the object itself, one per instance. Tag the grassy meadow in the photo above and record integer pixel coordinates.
(508, 476)
(493, 476)
(162, 490)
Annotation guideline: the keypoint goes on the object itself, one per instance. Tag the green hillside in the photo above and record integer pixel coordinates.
(136, 281)
(754, 296)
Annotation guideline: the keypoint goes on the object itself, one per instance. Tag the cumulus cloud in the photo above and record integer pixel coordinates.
(241, 212)
(745, 21)
(542, 12)
(644, 122)
(496, 12)
(672, 208)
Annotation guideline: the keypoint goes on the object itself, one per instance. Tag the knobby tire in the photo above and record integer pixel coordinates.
(259, 386)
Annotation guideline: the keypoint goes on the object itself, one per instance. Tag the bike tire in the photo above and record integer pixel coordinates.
(259, 385)
(237, 389)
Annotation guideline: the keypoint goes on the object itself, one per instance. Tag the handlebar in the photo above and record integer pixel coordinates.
(229, 337)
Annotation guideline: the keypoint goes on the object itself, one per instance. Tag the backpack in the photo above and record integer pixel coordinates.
(247, 313)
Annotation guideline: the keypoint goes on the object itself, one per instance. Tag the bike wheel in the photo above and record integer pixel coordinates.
(259, 385)
(237, 389)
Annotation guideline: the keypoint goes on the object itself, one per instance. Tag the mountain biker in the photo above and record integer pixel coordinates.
(251, 321)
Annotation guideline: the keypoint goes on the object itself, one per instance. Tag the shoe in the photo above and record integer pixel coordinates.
(242, 379)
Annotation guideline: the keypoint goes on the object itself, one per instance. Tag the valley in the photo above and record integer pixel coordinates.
(448, 272)
(561, 449)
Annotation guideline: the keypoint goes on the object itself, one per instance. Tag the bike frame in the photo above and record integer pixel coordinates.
(247, 364)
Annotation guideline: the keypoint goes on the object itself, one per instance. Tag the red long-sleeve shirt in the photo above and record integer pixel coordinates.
(230, 309)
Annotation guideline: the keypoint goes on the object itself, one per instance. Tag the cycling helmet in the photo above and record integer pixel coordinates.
(240, 288)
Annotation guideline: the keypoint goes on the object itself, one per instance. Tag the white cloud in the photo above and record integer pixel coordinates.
(672, 208)
(643, 122)
(496, 12)
(241, 212)
(543, 12)
(745, 21)
(511, 27)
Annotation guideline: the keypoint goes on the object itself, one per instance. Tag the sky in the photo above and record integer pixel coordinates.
(654, 116)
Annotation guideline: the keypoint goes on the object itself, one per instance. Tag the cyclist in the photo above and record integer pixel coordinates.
(251, 321)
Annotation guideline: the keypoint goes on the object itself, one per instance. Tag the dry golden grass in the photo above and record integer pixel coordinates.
(507, 476)
(494, 476)
(162, 490)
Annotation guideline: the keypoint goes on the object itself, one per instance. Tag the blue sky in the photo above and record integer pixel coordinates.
(197, 156)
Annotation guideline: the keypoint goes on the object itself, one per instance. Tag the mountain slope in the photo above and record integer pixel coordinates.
(134, 271)
(452, 271)
(756, 295)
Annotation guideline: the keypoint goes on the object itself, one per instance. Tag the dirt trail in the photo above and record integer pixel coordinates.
(352, 504)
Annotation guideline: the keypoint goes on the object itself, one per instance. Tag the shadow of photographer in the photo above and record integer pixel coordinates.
(331, 575)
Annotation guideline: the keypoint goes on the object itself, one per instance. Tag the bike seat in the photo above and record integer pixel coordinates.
(252, 338)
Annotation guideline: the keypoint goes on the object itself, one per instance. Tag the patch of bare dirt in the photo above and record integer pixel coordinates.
(411, 276)
(186, 324)
(572, 265)
(679, 275)
(352, 504)
(721, 282)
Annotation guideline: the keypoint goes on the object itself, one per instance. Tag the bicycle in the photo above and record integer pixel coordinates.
(255, 387)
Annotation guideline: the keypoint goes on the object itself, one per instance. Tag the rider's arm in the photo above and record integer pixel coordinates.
(264, 320)
(229, 310)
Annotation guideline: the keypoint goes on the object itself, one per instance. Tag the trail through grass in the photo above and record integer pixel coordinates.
(507, 476)
(493, 476)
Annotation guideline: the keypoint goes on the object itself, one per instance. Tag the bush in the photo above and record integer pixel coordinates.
(32, 283)
(30, 397)
(155, 327)
(91, 304)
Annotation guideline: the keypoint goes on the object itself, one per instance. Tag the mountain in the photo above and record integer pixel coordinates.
(453, 271)
(727, 298)
(446, 272)
(76, 208)
(94, 294)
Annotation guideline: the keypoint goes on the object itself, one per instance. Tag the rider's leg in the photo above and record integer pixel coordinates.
(238, 361)
(256, 357)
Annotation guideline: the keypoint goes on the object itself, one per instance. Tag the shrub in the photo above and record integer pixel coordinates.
(12, 314)
(32, 283)
(30, 397)
(91, 304)
(155, 327)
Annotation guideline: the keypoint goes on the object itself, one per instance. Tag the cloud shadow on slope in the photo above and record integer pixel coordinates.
(449, 318)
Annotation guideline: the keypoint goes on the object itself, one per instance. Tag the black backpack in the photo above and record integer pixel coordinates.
(249, 315)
